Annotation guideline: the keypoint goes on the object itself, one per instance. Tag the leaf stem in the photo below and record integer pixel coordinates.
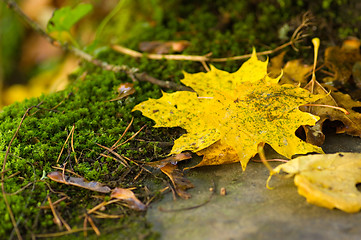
(262, 156)
(329, 106)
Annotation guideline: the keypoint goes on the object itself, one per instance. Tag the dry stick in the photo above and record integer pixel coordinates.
(66, 141)
(123, 161)
(59, 234)
(104, 215)
(64, 222)
(3, 173)
(296, 36)
(21, 189)
(131, 72)
(125, 131)
(100, 205)
(67, 170)
(72, 144)
(56, 217)
(195, 58)
(92, 224)
(134, 135)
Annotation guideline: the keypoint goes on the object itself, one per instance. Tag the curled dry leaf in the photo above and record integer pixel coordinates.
(169, 167)
(78, 182)
(351, 121)
(172, 159)
(128, 196)
(180, 183)
(327, 180)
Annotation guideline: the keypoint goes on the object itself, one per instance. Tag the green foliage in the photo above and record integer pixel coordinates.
(64, 18)
(11, 33)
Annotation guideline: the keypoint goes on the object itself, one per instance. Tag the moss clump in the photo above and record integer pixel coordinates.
(225, 28)
(40, 139)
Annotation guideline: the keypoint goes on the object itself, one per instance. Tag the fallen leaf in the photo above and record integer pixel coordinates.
(327, 180)
(124, 90)
(172, 159)
(78, 182)
(180, 183)
(128, 196)
(340, 60)
(356, 74)
(160, 47)
(238, 110)
(351, 121)
(294, 71)
(169, 168)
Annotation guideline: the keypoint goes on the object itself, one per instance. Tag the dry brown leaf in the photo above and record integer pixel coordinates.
(356, 74)
(340, 60)
(128, 196)
(172, 159)
(78, 182)
(169, 167)
(124, 90)
(180, 183)
(351, 122)
(160, 47)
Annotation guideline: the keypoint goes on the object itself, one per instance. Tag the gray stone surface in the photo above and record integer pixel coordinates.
(250, 210)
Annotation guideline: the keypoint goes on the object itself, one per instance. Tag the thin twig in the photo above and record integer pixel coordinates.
(59, 234)
(123, 161)
(134, 135)
(62, 149)
(72, 144)
(55, 214)
(92, 224)
(296, 37)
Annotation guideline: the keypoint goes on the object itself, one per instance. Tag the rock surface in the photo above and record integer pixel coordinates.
(249, 210)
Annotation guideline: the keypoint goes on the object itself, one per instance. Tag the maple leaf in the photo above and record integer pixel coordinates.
(327, 180)
(229, 114)
(294, 72)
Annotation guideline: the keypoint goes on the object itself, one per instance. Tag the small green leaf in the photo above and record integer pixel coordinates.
(64, 18)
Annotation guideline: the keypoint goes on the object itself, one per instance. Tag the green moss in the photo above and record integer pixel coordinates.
(224, 28)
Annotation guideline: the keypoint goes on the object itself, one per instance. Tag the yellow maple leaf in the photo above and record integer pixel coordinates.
(229, 114)
(294, 71)
(327, 180)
